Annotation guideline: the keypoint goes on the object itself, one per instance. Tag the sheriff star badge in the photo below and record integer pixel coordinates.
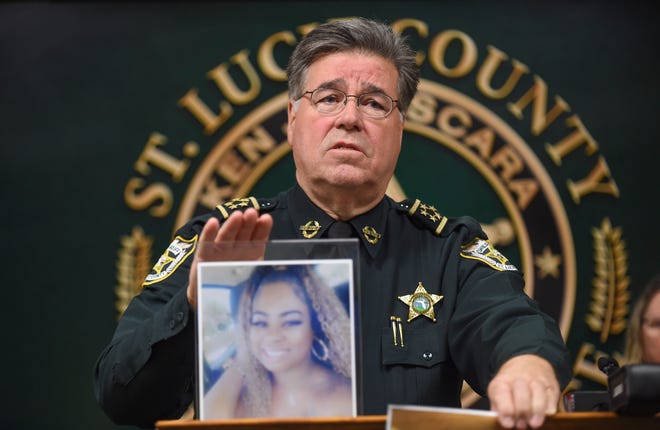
(420, 303)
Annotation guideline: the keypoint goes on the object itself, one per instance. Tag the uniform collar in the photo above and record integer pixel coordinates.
(312, 223)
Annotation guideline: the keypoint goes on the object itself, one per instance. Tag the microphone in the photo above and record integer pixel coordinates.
(608, 365)
(583, 401)
(634, 389)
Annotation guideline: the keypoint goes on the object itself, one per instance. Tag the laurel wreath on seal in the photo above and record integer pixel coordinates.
(609, 307)
(133, 266)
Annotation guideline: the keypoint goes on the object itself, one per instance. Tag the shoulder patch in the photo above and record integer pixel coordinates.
(483, 250)
(427, 215)
(174, 255)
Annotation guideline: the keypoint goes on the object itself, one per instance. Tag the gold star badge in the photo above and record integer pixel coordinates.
(420, 303)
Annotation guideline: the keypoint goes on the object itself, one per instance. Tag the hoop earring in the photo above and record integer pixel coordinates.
(322, 355)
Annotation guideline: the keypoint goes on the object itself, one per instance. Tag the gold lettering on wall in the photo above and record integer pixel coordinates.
(580, 136)
(508, 161)
(253, 147)
(266, 57)
(491, 64)
(482, 140)
(200, 110)
(233, 168)
(158, 196)
(454, 120)
(212, 193)
(541, 118)
(438, 49)
(152, 155)
(220, 75)
(420, 27)
(525, 190)
(422, 108)
(594, 183)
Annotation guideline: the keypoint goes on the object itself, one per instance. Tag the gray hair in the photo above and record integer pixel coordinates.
(356, 34)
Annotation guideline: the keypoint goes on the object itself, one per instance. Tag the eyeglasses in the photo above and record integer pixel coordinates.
(329, 101)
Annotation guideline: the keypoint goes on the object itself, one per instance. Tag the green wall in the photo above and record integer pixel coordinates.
(84, 86)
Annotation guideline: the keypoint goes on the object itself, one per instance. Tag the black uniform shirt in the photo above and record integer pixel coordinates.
(483, 319)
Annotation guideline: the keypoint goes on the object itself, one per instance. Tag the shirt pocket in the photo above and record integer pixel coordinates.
(424, 347)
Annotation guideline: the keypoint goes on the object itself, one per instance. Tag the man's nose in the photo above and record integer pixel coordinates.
(351, 114)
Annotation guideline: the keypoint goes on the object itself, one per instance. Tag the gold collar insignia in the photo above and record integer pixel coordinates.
(310, 229)
(371, 234)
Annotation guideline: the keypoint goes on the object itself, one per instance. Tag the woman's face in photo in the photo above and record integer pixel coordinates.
(280, 328)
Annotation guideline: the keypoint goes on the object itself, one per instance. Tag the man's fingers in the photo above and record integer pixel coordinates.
(522, 400)
(249, 221)
(244, 227)
(263, 228)
(523, 392)
(501, 401)
(554, 393)
(516, 404)
(241, 236)
(210, 230)
(522, 405)
(231, 228)
(540, 399)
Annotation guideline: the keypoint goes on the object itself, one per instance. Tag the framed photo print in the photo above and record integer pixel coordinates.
(275, 339)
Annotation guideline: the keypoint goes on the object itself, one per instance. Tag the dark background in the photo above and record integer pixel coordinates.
(82, 86)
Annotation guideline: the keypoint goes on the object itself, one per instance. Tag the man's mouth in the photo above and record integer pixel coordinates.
(346, 146)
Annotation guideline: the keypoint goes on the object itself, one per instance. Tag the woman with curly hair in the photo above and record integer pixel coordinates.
(293, 352)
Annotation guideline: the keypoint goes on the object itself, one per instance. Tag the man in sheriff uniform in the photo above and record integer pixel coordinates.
(439, 304)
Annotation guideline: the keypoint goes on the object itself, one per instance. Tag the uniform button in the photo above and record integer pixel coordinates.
(427, 355)
(179, 316)
(172, 324)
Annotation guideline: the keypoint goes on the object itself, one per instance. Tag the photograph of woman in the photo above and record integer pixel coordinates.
(293, 349)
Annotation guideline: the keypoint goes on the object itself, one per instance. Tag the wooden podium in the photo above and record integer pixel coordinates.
(423, 419)
(419, 418)
(370, 422)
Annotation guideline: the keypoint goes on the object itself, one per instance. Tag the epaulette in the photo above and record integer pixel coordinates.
(426, 215)
(261, 205)
(474, 230)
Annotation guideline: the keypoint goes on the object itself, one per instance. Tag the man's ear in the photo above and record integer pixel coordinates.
(291, 118)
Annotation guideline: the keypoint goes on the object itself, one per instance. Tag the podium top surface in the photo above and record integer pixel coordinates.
(371, 422)
(412, 419)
